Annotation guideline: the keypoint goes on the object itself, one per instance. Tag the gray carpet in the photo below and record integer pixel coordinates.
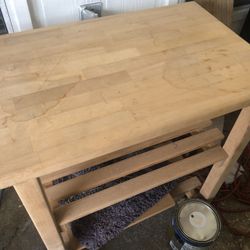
(95, 230)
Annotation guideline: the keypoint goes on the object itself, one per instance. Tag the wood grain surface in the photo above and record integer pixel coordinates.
(69, 94)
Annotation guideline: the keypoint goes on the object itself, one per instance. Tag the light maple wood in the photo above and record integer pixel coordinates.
(73, 93)
(186, 186)
(125, 190)
(69, 239)
(32, 197)
(165, 203)
(133, 164)
(236, 142)
(83, 93)
(47, 180)
(222, 9)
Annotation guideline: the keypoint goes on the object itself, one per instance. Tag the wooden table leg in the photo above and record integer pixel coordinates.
(35, 202)
(234, 146)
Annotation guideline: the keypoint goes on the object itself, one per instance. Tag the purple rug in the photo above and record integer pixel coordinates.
(95, 230)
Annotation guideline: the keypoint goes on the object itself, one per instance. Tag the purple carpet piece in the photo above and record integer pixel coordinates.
(95, 230)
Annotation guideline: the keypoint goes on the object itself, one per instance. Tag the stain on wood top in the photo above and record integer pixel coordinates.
(72, 93)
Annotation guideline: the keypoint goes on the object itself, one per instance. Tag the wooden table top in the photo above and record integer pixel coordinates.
(71, 93)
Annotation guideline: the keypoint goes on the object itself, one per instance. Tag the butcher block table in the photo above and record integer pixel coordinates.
(82, 94)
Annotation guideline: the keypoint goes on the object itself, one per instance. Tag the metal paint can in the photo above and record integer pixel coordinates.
(196, 225)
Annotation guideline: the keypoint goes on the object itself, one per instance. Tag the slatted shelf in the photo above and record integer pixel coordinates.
(133, 164)
(183, 153)
(125, 190)
(146, 142)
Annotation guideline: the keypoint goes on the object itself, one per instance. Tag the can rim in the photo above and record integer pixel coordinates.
(188, 238)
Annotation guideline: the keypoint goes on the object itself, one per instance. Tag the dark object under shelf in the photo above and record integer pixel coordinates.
(245, 33)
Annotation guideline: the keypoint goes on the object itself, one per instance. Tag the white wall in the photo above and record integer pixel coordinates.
(16, 15)
(52, 12)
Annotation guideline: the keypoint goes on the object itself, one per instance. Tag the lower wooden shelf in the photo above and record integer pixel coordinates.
(93, 203)
(165, 203)
(178, 157)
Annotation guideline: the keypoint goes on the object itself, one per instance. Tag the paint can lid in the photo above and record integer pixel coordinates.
(199, 221)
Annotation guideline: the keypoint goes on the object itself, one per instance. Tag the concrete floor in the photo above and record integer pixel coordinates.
(18, 233)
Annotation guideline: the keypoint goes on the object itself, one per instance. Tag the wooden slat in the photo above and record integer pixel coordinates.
(165, 203)
(69, 239)
(147, 143)
(113, 195)
(236, 142)
(186, 186)
(133, 164)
